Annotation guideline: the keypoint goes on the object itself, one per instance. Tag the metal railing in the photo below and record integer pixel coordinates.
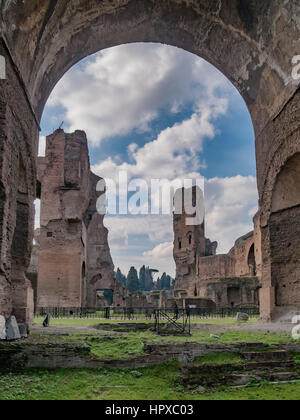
(147, 314)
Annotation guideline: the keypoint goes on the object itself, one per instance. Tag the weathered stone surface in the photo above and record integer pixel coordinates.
(228, 280)
(74, 259)
(24, 330)
(12, 329)
(2, 328)
(241, 317)
(79, 356)
(240, 379)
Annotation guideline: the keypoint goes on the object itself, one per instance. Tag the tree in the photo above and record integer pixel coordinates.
(143, 278)
(132, 280)
(165, 282)
(120, 277)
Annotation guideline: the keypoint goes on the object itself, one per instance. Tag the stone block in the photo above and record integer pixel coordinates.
(12, 329)
(241, 317)
(24, 330)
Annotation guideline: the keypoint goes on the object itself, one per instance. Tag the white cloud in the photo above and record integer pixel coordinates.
(160, 251)
(155, 228)
(123, 88)
(229, 201)
(230, 204)
(173, 154)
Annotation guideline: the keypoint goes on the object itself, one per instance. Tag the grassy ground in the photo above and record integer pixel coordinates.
(155, 383)
(92, 322)
(131, 344)
(219, 359)
(114, 344)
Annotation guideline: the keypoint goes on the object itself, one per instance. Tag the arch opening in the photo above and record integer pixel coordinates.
(187, 239)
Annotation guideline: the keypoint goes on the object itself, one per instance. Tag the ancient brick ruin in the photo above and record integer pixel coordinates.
(71, 257)
(229, 280)
(252, 42)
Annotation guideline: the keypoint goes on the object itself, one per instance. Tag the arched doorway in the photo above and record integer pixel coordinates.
(251, 261)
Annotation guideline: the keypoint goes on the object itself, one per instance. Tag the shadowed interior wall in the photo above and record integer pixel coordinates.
(285, 235)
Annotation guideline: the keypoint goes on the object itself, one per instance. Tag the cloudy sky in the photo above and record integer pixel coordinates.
(160, 112)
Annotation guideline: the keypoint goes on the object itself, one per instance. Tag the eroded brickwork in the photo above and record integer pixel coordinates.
(228, 280)
(74, 257)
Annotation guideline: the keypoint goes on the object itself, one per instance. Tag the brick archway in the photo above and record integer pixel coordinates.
(250, 41)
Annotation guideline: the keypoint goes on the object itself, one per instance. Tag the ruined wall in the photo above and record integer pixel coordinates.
(189, 240)
(18, 145)
(279, 294)
(244, 257)
(234, 292)
(285, 235)
(74, 257)
(32, 272)
(212, 269)
(229, 280)
(99, 265)
(258, 245)
(64, 186)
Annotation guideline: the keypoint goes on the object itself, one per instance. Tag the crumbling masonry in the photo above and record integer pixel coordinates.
(74, 259)
(230, 280)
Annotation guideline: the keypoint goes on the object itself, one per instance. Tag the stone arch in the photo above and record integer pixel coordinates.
(251, 42)
(189, 238)
(63, 34)
(286, 193)
(280, 165)
(234, 296)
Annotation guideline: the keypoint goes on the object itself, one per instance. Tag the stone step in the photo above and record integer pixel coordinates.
(245, 379)
(269, 364)
(270, 355)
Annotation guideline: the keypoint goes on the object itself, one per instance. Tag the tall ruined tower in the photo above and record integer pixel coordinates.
(229, 280)
(74, 257)
(189, 241)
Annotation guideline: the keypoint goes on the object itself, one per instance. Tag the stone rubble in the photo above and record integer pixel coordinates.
(12, 329)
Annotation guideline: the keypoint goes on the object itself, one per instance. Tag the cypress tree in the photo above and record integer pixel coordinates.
(132, 280)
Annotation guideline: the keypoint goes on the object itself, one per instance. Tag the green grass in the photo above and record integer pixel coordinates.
(92, 322)
(219, 359)
(116, 345)
(110, 344)
(131, 344)
(155, 383)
